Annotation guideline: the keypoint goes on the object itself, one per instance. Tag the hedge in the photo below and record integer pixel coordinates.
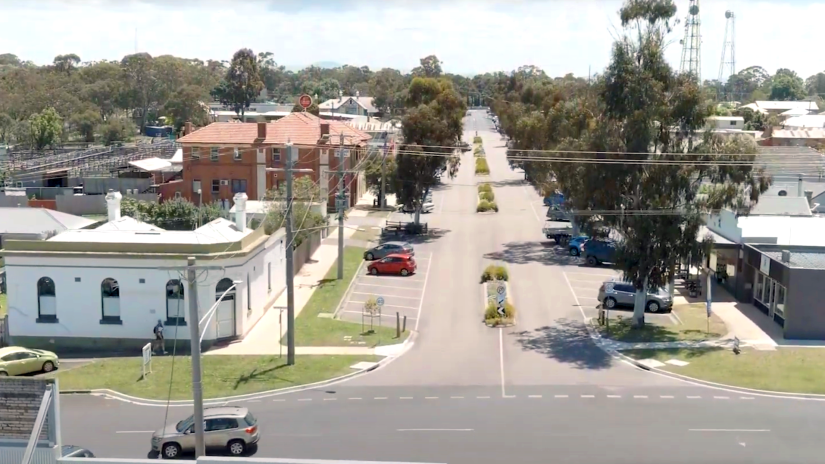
(493, 272)
(487, 196)
(481, 166)
(485, 206)
(485, 188)
(476, 139)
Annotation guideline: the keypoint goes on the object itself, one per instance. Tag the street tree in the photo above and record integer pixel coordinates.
(431, 127)
(787, 86)
(242, 83)
(186, 105)
(46, 128)
(373, 170)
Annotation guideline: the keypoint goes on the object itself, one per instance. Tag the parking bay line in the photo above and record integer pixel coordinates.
(397, 278)
(362, 312)
(388, 296)
(390, 286)
(386, 305)
(135, 431)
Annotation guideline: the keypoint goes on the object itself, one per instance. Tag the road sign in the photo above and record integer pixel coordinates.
(305, 101)
(501, 296)
(608, 288)
(380, 301)
(146, 367)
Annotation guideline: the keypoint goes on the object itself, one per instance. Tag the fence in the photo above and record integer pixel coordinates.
(305, 250)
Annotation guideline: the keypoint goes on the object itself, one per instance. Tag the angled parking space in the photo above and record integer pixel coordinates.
(399, 294)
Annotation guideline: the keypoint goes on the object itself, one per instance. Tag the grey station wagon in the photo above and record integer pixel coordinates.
(389, 248)
(615, 294)
(230, 428)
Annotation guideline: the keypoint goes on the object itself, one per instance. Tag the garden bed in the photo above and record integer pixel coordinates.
(486, 199)
(482, 169)
(492, 278)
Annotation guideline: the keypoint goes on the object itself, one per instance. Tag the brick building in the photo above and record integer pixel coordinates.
(225, 158)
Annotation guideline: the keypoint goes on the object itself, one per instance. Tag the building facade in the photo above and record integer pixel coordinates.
(104, 290)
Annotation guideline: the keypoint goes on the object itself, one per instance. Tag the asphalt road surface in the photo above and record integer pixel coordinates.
(537, 392)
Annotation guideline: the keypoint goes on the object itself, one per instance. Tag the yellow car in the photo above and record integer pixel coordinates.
(15, 360)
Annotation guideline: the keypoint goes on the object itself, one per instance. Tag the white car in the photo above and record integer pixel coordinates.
(427, 207)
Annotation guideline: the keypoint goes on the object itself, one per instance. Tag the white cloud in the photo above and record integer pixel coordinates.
(559, 36)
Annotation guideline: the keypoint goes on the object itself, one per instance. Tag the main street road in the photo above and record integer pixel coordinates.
(468, 393)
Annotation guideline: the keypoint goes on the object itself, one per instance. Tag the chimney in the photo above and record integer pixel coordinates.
(240, 211)
(340, 95)
(357, 94)
(786, 256)
(809, 195)
(262, 130)
(800, 191)
(187, 128)
(324, 128)
(113, 205)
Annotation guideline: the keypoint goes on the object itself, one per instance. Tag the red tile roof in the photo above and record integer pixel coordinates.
(298, 128)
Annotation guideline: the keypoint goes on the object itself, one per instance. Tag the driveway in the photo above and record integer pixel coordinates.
(402, 295)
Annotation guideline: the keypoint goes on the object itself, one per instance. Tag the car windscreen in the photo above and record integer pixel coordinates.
(184, 425)
(250, 419)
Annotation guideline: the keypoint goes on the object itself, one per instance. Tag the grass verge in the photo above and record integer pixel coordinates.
(222, 375)
(312, 330)
(693, 327)
(796, 370)
(367, 234)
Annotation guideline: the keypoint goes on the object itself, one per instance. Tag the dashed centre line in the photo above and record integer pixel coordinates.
(534, 396)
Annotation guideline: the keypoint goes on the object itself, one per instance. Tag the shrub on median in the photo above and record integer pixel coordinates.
(485, 206)
(485, 188)
(493, 272)
(487, 196)
(476, 139)
(481, 167)
(492, 317)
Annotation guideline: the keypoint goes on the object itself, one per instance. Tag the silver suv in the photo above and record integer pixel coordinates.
(231, 428)
(614, 294)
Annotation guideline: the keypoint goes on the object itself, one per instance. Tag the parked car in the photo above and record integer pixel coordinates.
(393, 264)
(389, 248)
(553, 199)
(599, 251)
(615, 294)
(556, 213)
(427, 207)
(576, 244)
(464, 146)
(231, 428)
(71, 451)
(16, 360)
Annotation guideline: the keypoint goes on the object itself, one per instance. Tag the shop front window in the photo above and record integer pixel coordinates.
(780, 300)
(760, 284)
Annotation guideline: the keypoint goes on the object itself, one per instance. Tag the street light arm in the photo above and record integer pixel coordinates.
(215, 306)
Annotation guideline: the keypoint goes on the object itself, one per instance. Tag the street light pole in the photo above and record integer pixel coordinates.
(340, 200)
(194, 338)
(383, 192)
(289, 171)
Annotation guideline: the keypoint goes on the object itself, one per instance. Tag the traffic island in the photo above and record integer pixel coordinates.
(685, 323)
(785, 369)
(482, 169)
(498, 308)
(486, 200)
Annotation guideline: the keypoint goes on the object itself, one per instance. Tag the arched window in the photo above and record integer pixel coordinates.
(175, 309)
(46, 300)
(223, 285)
(783, 193)
(110, 301)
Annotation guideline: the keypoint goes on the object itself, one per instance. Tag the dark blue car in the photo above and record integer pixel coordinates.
(575, 245)
(599, 251)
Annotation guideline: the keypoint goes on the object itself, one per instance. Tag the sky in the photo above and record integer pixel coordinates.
(469, 37)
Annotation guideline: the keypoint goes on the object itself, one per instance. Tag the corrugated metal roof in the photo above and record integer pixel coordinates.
(781, 206)
(810, 120)
(786, 105)
(798, 134)
(363, 102)
(153, 164)
(809, 231)
(803, 260)
(39, 221)
(795, 112)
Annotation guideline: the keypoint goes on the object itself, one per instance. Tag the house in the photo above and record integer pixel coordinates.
(802, 137)
(355, 105)
(381, 132)
(104, 289)
(257, 112)
(223, 159)
(725, 123)
(24, 223)
(779, 107)
(813, 121)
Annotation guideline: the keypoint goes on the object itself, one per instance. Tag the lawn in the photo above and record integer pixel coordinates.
(4, 309)
(222, 375)
(798, 370)
(694, 327)
(312, 330)
(367, 234)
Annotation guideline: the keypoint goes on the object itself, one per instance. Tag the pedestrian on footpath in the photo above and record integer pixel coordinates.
(160, 347)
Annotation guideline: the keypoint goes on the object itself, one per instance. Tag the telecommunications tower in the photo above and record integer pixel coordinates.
(727, 67)
(692, 44)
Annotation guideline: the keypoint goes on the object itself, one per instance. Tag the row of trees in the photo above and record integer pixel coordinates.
(628, 155)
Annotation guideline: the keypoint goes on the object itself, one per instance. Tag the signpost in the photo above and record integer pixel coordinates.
(305, 101)
(380, 301)
(501, 297)
(146, 365)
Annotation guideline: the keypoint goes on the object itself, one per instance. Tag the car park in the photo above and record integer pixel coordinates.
(576, 244)
(393, 264)
(231, 428)
(616, 294)
(389, 248)
(16, 360)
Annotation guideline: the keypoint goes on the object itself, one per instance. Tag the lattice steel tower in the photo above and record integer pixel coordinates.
(727, 67)
(692, 44)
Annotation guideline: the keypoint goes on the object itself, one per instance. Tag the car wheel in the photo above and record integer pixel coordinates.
(370, 256)
(653, 306)
(557, 239)
(574, 251)
(549, 237)
(48, 366)
(236, 447)
(374, 271)
(592, 261)
(4, 374)
(609, 302)
(170, 450)
(405, 272)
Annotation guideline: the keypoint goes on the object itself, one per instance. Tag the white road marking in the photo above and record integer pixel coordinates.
(587, 396)
(405, 398)
(501, 359)
(721, 398)
(614, 396)
(560, 396)
(355, 398)
(435, 430)
(391, 286)
(640, 396)
(482, 397)
(304, 399)
(534, 396)
(593, 274)
(745, 397)
(278, 400)
(330, 399)
(668, 397)
(456, 397)
(430, 397)
(729, 430)
(423, 292)
(135, 431)
(362, 312)
(529, 200)
(397, 278)
(388, 296)
(385, 306)
(694, 397)
(254, 401)
(380, 398)
(575, 297)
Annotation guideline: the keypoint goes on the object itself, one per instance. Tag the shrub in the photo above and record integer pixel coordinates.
(481, 166)
(484, 206)
(493, 272)
(476, 139)
(485, 188)
(491, 315)
(477, 150)
(487, 196)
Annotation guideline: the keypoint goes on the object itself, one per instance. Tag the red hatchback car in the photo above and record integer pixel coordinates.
(393, 264)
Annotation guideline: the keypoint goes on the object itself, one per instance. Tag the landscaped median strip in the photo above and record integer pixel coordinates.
(486, 199)
(493, 279)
